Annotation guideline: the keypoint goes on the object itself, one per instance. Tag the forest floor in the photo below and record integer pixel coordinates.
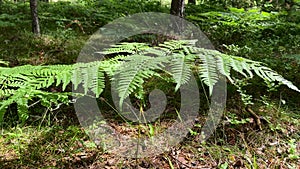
(237, 143)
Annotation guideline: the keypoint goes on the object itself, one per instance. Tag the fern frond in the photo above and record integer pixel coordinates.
(174, 45)
(19, 98)
(131, 48)
(22, 105)
(6, 92)
(21, 84)
(241, 65)
(90, 76)
(180, 70)
(156, 52)
(131, 74)
(238, 64)
(272, 76)
(208, 71)
(223, 66)
(4, 105)
(110, 66)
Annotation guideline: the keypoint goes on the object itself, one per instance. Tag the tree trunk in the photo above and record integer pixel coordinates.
(193, 2)
(177, 8)
(35, 20)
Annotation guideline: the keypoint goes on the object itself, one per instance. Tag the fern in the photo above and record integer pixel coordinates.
(130, 48)
(223, 66)
(128, 70)
(208, 71)
(270, 75)
(90, 76)
(21, 84)
(180, 70)
(213, 64)
(131, 73)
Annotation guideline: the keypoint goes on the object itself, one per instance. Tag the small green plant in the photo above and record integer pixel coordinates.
(293, 153)
(223, 166)
(246, 98)
(233, 119)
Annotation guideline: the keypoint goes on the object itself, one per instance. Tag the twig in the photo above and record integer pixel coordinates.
(34, 103)
(257, 118)
(188, 166)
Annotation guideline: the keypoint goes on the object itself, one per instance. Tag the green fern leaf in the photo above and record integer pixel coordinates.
(22, 103)
(131, 48)
(208, 71)
(131, 73)
(180, 71)
(223, 66)
(237, 65)
(271, 75)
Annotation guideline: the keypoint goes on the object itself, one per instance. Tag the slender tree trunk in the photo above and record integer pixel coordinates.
(177, 8)
(193, 2)
(35, 20)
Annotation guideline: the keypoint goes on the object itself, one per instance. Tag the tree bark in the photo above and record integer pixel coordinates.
(177, 8)
(35, 20)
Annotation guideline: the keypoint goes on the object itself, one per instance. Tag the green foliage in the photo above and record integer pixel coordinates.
(271, 37)
(252, 28)
(83, 16)
(234, 120)
(125, 7)
(14, 13)
(87, 16)
(22, 84)
(64, 26)
(235, 24)
(293, 150)
(266, 5)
